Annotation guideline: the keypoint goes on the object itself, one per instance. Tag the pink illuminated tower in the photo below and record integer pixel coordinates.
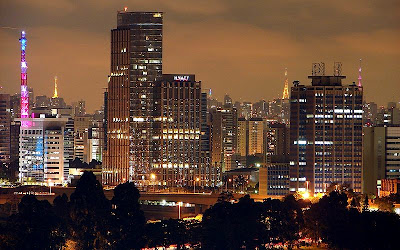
(24, 79)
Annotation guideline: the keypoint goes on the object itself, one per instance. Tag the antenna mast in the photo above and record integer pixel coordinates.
(286, 89)
(55, 88)
(24, 79)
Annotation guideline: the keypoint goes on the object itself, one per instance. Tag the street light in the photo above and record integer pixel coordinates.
(179, 208)
(194, 184)
(50, 184)
(153, 178)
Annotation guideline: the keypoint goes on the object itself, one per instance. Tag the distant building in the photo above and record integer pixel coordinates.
(389, 115)
(42, 151)
(256, 136)
(242, 137)
(388, 187)
(79, 108)
(274, 176)
(381, 158)
(5, 129)
(42, 101)
(223, 134)
(81, 137)
(370, 112)
(325, 134)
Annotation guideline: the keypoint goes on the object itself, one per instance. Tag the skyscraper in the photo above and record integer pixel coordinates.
(325, 133)
(224, 129)
(5, 129)
(136, 64)
(176, 132)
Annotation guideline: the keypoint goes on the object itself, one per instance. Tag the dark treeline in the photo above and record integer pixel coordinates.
(89, 221)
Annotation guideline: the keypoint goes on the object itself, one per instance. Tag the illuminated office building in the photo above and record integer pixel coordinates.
(256, 136)
(42, 155)
(177, 157)
(325, 134)
(274, 176)
(136, 64)
(242, 137)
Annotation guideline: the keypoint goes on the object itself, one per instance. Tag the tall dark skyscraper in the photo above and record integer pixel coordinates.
(136, 64)
(5, 129)
(325, 134)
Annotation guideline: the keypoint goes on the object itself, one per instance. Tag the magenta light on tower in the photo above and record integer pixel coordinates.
(24, 79)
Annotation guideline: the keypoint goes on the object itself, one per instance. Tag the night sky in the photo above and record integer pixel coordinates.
(239, 47)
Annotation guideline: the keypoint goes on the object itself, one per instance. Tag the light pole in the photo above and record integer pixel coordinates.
(153, 177)
(50, 184)
(194, 184)
(179, 208)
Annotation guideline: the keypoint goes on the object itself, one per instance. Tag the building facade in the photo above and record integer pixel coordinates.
(41, 151)
(325, 134)
(381, 156)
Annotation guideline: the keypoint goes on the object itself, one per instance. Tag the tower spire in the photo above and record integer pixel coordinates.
(286, 89)
(24, 79)
(359, 76)
(55, 88)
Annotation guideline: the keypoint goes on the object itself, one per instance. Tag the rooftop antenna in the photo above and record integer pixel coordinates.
(337, 68)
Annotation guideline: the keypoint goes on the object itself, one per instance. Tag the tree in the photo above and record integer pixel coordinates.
(128, 220)
(226, 196)
(34, 227)
(89, 213)
(365, 203)
(328, 219)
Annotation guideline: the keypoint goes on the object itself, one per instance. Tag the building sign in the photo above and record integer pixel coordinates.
(181, 78)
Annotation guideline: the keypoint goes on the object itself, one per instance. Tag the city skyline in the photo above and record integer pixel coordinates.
(75, 45)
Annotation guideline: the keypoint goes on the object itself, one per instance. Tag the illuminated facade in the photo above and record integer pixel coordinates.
(277, 159)
(242, 137)
(325, 134)
(136, 64)
(42, 155)
(285, 94)
(256, 136)
(177, 158)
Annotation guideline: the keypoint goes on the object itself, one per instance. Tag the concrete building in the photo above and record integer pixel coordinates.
(256, 136)
(274, 176)
(381, 158)
(325, 134)
(42, 153)
(242, 137)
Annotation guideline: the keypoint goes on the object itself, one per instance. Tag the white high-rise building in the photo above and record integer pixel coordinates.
(42, 155)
